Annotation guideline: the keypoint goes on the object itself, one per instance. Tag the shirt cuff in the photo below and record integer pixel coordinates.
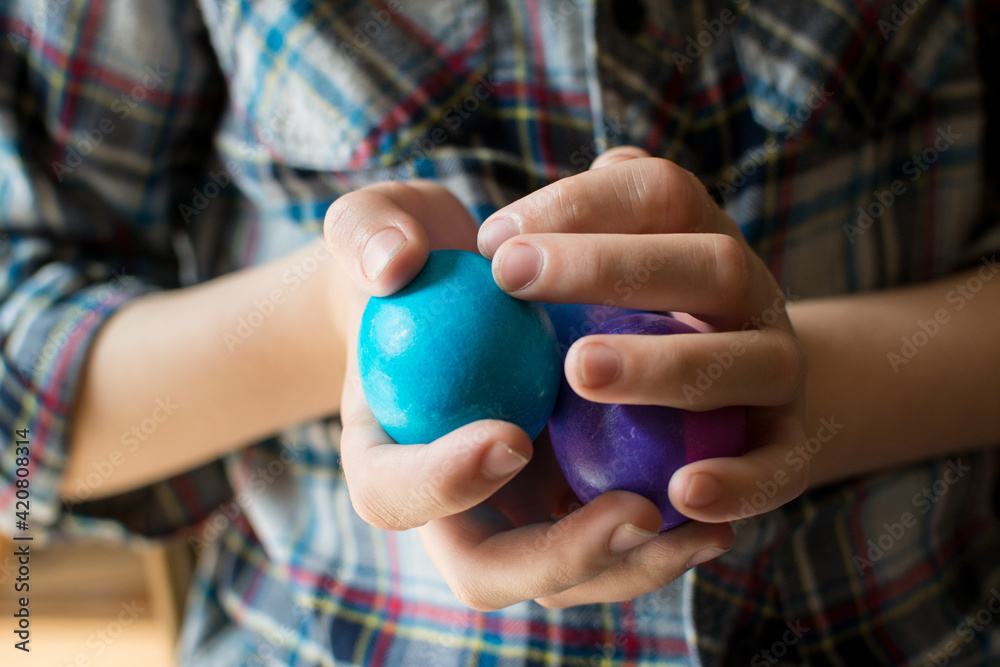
(44, 359)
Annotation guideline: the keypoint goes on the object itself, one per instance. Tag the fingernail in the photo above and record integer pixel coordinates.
(502, 461)
(494, 232)
(518, 267)
(381, 248)
(705, 555)
(598, 365)
(702, 490)
(628, 536)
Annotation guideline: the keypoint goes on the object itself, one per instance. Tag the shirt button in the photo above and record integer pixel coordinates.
(629, 15)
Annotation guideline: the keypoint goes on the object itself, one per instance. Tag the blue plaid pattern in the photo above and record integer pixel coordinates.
(149, 145)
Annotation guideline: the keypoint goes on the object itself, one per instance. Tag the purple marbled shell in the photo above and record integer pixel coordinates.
(637, 448)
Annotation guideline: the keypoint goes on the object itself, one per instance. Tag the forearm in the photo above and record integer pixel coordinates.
(897, 401)
(174, 380)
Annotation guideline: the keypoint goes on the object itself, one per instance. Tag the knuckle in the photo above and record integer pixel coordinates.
(372, 508)
(333, 218)
(567, 567)
(555, 603)
(561, 575)
(355, 419)
(470, 593)
(603, 267)
(668, 371)
(788, 364)
(394, 189)
(729, 268)
(798, 363)
(403, 195)
(440, 493)
(671, 187)
(436, 499)
(564, 206)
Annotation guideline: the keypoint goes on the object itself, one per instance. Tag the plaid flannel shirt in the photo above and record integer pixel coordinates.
(148, 145)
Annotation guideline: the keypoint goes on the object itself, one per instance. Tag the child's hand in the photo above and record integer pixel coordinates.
(486, 511)
(382, 235)
(639, 232)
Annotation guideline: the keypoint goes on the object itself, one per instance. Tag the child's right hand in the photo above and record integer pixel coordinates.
(484, 495)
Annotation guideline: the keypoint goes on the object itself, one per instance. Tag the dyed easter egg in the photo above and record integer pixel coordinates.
(451, 348)
(573, 321)
(603, 447)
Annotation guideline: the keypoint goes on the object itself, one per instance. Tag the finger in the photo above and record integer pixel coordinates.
(396, 487)
(650, 566)
(490, 565)
(443, 217)
(638, 196)
(616, 155)
(714, 277)
(380, 233)
(692, 372)
(766, 477)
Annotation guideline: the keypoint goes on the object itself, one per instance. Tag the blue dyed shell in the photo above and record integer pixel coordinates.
(451, 348)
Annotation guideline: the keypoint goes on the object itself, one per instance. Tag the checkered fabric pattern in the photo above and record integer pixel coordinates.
(147, 145)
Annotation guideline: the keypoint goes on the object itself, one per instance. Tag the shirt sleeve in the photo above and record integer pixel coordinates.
(106, 123)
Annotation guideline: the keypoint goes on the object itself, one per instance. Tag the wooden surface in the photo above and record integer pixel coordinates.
(95, 606)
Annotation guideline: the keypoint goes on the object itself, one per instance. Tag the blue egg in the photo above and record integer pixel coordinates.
(451, 348)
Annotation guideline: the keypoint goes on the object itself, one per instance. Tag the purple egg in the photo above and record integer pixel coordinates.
(602, 447)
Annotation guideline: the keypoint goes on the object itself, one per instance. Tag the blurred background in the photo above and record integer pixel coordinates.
(97, 605)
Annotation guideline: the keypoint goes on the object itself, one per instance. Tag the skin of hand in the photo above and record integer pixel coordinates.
(575, 240)
(491, 505)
